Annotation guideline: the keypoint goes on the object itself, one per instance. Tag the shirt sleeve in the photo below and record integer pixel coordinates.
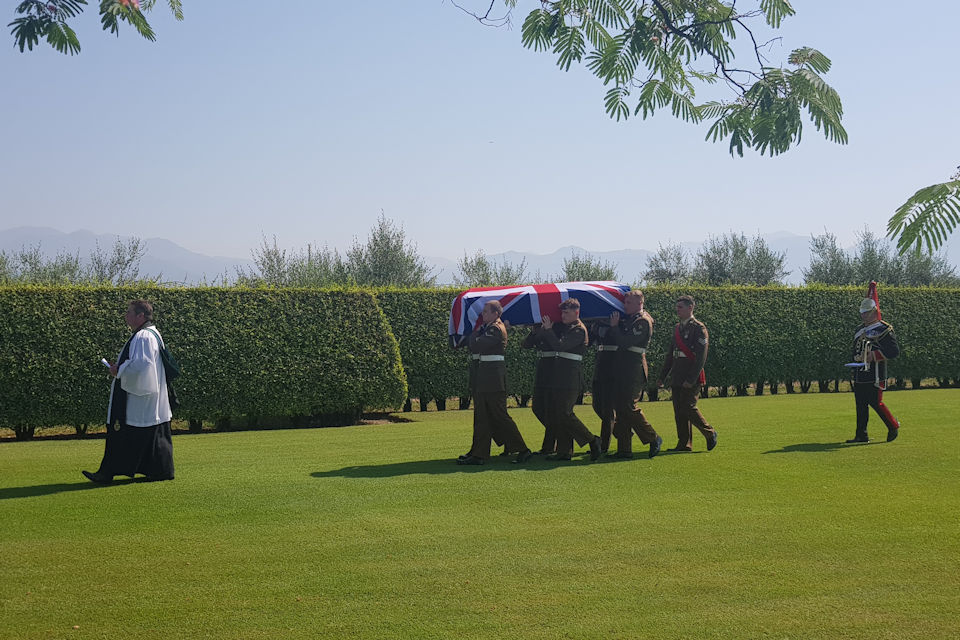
(138, 374)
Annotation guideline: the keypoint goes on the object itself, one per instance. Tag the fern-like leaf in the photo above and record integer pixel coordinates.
(928, 217)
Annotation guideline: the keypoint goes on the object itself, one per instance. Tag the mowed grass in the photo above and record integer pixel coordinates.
(373, 532)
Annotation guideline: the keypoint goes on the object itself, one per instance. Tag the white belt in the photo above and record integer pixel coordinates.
(607, 347)
(491, 358)
(546, 354)
(679, 354)
(569, 356)
(637, 349)
(474, 356)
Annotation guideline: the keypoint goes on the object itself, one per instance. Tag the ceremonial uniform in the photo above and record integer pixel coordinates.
(604, 380)
(686, 355)
(542, 384)
(632, 337)
(490, 392)
(569, 343)
(870, 381)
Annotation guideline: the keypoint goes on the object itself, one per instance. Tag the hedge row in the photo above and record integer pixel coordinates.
(280, 352)
(758, 334)
(293, 352)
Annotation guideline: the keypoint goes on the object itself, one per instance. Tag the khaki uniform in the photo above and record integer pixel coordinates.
(569, 342)
(490, 417)
(694, 335)
(632, 337)
(604, 389)
(542, 384)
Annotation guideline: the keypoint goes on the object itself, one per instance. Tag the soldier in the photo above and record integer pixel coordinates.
(569, 342)
(632, 336)
(603, 389)
(490, 391)
(686, 355)
(873, 344)
(542, 385)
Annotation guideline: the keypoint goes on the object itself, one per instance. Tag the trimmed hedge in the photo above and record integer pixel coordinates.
(259, 352)
(296, 352)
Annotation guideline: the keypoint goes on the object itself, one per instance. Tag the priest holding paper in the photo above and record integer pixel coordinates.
(138, 417)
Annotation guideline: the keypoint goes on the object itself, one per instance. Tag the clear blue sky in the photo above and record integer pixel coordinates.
(305, 119)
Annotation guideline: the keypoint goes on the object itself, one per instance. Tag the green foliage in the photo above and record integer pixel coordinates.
(669, 265)
(658, 50)
(479, 271)
(49, 19)
(387, 259)
(243, 352)
(119, 267)
(583, 267)
(873, 259)
(733, 259)
(928, 217)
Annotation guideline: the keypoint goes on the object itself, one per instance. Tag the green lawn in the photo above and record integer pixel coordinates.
(373, 532)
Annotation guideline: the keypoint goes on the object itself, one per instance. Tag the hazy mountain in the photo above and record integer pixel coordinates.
(176, 264)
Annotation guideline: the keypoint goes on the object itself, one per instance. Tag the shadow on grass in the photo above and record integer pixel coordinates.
(448, 465)
(8, 493)
(818, 447)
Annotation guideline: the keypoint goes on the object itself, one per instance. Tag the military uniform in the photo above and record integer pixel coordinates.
(869, 382)
(542, 385)
(632, 337)
(569, 343)
(490, 393)
(694, 337)
(604, 380)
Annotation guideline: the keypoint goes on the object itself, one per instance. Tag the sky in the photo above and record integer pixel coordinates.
(306, 120)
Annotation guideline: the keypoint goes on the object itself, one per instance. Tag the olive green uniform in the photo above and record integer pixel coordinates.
(604, 388)
(569, 343)
(542, 384)
(490, 392)
(694, 335)
(632, 337)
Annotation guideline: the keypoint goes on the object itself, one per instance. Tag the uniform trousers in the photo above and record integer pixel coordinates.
(685, 412)
(604, 405)
(540, 405)
(566, 423)
(630, 419)
(868, 395)
(490, 419)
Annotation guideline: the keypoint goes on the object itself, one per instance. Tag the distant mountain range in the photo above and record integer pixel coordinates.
(173, 263)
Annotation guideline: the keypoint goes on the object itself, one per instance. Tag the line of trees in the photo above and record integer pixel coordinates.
(387, 258)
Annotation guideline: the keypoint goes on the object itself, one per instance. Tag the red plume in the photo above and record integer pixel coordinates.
(872, 293)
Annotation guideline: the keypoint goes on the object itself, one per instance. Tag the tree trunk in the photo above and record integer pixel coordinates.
(464, 403)
(195, 425)
(759, 391)
(741, 390)
(524, 400)
(441, 404)
(774, 387)
(805, 385)
(915, 383)
(24, 433)
(408, 406)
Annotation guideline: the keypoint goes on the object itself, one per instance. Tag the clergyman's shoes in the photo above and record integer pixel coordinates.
(655, 447)
(97, 477)
(892, 434)
(858, 439)
(595, 447)
(523, 456)
(470, 460)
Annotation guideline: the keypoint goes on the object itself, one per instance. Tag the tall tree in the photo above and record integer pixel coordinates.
(387, 258)
(311, 267)
(734, 259)
(480, 271)
(582, 267)
(829, 263)
(669, 265)
(50, 20)
(120, 266)
(655, 55)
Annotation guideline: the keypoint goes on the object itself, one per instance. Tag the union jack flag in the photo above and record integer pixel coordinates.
(527, 304)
